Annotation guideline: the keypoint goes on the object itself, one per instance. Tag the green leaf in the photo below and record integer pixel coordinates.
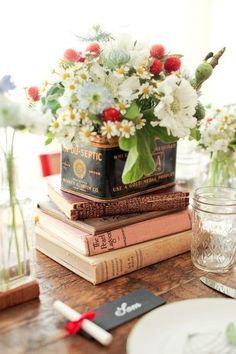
(158, 131)
(162, 134)
(48, 141)
(126, 144)
(195, 134)
(131, 170)
(231, 334)
(50, 137)
(56, 91)
(139, 162)
(53, 105)
(132, 112)
(43, 100)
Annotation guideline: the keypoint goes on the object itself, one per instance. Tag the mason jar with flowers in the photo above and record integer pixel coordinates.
(217, 137)
(118, 109)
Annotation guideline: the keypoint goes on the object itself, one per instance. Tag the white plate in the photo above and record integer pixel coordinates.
(165, 330)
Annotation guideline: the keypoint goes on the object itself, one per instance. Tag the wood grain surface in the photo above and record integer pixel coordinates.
(34, 327)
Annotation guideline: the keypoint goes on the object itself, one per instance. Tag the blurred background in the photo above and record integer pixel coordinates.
(34, 35)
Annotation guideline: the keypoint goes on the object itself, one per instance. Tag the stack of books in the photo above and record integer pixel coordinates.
(103, 240)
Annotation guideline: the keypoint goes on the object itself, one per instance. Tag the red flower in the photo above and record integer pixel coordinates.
(80, 57)
(172, 64)
(209, 119)
(33, 93)
(94, 48)
(71, 55)
(156, 67)
(111, 114)
(157, 51)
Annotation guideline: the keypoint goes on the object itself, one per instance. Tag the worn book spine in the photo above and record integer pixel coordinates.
(174, 201)
(137, 233)
(98, 269)
(148, 254)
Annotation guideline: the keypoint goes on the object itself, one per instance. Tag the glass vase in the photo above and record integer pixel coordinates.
(222, 169)
(17, 243)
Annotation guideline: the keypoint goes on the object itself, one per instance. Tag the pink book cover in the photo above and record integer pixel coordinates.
(126, 236)
(143, 231)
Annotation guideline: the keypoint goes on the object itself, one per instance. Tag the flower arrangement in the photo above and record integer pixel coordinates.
(124, 89)
(217, 136)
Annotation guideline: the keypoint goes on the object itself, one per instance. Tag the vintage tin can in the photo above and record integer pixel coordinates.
(94, 171)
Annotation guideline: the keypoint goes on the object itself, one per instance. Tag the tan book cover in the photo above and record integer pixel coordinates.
(89, 245)
(103, 267)
(76, 207)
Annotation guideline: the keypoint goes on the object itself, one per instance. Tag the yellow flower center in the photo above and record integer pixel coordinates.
(175, 105)
(120, 70)
(44, 86)
(140, 70)
(72, 116)
(146, 90)
(82, 115)
(83, 76)
(108, 129)
(126, 129)
(122, 106)
(138, 120)
(75, 99)
(55, 124)
(71, 86)
(87, 133)
(65, 76)
(63, 117)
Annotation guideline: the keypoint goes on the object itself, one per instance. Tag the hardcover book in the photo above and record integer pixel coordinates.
(76, 207)
(140, 232)
(97, 225)
(103, 267)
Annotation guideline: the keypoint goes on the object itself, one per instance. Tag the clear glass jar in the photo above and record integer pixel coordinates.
(214, 228)
(17, 235)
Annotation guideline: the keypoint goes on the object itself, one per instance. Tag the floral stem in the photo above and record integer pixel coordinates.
(12, 199)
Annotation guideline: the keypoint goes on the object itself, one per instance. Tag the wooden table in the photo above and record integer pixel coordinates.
(34, 327)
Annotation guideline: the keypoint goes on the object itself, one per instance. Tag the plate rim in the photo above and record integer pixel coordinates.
(164, 306)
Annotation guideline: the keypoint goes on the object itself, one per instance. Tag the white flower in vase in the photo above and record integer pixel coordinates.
(94, 97)
(176, 108)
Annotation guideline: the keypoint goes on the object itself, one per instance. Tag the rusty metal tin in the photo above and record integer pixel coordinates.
(94, 171)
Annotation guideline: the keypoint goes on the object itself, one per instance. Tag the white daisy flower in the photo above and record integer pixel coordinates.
(71, 85)
(176, 108)
(121, 71)
(146, 90)
(127, 128)
(122, 107)
(66, 135)
(72, 116)
(86, 132)
(55, 126)
(108, 129)
(140, 122)
(83, 115)
(142, 72)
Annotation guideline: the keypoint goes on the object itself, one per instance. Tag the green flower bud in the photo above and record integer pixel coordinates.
(118, 57)
(200, 111)
(203, 72)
